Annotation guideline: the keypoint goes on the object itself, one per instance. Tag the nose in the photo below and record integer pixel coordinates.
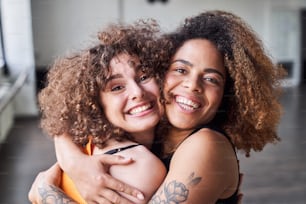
(193, 83)
(136, 91)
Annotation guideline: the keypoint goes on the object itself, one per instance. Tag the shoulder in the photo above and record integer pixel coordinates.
(136, 174)
(206, 142)
(142, 156)
(205, 161)
(205, 150)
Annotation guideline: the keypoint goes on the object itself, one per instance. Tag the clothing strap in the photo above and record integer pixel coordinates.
(114, 151)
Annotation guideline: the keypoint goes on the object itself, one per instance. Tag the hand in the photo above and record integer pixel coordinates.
(94, 183)
(240, 195)
(49, 177)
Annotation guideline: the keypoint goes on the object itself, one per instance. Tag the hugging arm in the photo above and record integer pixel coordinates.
(45, 188)
(194, 182)
(90, 173)
(199, 172)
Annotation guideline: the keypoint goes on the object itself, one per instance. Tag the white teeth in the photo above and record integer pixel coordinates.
(140, 109)
(186, 103)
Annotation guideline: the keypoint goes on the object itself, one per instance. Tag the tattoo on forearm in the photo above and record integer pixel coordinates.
(175, 192)
(53, 195)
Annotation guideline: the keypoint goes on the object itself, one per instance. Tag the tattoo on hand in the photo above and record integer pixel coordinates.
(175, 192)
(51, 194)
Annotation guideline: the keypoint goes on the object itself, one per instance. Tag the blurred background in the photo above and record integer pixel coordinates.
(34, 32)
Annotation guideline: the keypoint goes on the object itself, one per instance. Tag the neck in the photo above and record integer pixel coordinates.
(145, 138)
(174, 138)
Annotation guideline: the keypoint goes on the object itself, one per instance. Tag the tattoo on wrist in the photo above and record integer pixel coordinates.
(175, 192)
(51, 194)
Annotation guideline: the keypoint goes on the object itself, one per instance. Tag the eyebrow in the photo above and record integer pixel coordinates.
(131, 63)
(112, 77)
(206, 70)
(182, 61)
(211, 70)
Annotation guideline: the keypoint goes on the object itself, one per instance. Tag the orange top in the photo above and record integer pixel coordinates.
(67, 184)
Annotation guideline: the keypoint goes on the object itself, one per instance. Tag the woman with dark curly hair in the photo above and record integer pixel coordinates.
(221, 93)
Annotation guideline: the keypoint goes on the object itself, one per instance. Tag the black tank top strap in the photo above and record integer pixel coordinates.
(209, 126)
(114, 151)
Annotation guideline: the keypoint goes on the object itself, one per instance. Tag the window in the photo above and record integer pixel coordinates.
(3, 68)
(2, 61)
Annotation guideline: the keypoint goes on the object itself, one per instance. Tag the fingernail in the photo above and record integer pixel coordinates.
(140, 196)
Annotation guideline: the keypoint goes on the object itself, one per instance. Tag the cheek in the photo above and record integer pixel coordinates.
(153, 89)
(215, 98)
(113, 110)
(109, 104)
(169, 83)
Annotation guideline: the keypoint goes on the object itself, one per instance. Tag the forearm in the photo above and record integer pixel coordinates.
(68, 154)
(50, 194)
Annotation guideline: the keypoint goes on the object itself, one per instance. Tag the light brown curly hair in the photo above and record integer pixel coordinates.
(70, 101)
(250, 110)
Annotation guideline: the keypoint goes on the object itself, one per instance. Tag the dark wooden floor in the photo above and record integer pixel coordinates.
(277, 175)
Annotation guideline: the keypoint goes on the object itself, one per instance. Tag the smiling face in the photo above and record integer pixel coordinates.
(130, 99)
(194, 84)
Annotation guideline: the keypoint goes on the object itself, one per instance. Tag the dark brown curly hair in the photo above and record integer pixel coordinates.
(70, 101)
(250, 110)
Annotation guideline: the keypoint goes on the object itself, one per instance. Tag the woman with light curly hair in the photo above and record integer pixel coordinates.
(106, 100)
(221, 94)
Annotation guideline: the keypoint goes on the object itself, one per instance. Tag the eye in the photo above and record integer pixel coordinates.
(144, 77)
(116, 88)
(212, 79)
(181, 70)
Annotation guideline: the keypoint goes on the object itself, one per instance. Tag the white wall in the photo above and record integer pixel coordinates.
(172, 13)
(59, 26)
(63, 25)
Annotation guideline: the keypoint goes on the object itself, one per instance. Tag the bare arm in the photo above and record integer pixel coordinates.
(52, 194)
(91, 177)
(199, 172)
(44, 189)
(187, 186)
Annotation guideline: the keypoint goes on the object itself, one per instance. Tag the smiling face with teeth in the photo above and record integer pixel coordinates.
(194, 84)
(130, 99)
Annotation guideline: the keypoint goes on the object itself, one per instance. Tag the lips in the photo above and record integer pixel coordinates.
(140, 109)
(186, 103)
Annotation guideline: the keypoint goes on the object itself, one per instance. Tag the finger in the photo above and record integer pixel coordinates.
(240, 181)
(240, 178)
(114, 159)
(239, 200)
(118, 186)
(113, 197)
(100, 201)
